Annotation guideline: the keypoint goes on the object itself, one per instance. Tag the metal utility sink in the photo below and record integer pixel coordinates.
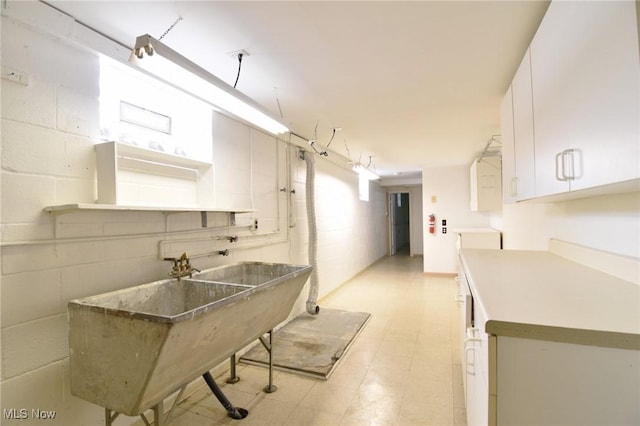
(164, 301)
(247, 273)
(131, 348)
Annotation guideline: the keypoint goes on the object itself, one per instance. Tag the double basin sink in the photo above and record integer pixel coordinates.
(131, 348)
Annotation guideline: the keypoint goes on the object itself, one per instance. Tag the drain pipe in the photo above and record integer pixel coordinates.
(236, 413)
(312, 301)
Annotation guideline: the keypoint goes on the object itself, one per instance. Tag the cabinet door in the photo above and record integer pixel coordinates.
(606, 96)
(508, 155)
(477, 400)
(524, 155)
(552, 52)
(476, 363)
(585, 69)
(486, 184)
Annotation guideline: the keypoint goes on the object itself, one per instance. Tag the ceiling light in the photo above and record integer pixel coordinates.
(363, 171)
(168, 65)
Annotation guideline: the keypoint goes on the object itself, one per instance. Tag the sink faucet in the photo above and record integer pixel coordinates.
(181, 267)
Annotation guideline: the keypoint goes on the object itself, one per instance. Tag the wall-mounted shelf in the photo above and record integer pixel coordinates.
(64, 208)
(70, 208)
(131, 175)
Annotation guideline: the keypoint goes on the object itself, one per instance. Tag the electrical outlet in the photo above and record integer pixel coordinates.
(444, 230)
(254, 225)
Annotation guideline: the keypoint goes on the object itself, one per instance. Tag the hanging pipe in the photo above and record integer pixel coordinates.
(312, 306)
(233, 412)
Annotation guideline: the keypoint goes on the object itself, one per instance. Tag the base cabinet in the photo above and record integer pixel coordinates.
(536, 369)
(536, 382)
(544, 382)
(475, 356)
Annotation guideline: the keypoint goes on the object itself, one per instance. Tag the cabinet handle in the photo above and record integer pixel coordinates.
(572, 158)
(513, 186)
(471, 337)
(560, 171)
(570, 167)
(567, 164)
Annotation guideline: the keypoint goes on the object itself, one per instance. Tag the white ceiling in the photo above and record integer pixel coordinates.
(414, 84)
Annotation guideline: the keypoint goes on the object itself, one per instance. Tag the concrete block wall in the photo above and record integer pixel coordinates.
(49, 128)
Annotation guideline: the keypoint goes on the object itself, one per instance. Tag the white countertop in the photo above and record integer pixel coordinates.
(475, 231)
(537, 294)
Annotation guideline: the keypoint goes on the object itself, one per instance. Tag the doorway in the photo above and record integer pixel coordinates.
(399, 224)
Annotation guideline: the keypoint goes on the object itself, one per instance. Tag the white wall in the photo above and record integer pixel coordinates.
(609, 222)
(450, 187)
(49, 129)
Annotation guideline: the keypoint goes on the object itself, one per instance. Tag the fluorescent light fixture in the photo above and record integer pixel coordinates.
(173, 68)
(363, 171)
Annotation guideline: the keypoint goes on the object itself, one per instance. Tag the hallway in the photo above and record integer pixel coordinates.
(403, 369)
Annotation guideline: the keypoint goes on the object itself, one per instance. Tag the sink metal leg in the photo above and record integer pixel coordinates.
(270, 388)
(233, 377)
(158, 413)
(110, 416)
(233, 412)
(159, 417)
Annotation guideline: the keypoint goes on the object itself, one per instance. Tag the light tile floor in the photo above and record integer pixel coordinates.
(403, 369)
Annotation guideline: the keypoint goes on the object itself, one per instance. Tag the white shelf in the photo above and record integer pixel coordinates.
(116, 207)
(70, 208)
(161, 157)
(131, 175)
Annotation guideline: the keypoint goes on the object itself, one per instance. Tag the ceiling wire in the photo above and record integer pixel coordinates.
(170, 28)
(333, 135)
(312, 142)
(278, 101)
(239, 68)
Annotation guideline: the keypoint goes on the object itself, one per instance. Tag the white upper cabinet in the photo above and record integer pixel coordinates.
(523, 186)
(585, 73)
(518, 173)
(485, 176)
(508, 155)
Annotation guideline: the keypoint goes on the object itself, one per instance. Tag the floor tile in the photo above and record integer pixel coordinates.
(403, 369)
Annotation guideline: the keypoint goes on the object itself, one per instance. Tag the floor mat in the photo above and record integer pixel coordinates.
(311, 344)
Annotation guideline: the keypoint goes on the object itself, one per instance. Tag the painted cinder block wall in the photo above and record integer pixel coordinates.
(49, 128)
